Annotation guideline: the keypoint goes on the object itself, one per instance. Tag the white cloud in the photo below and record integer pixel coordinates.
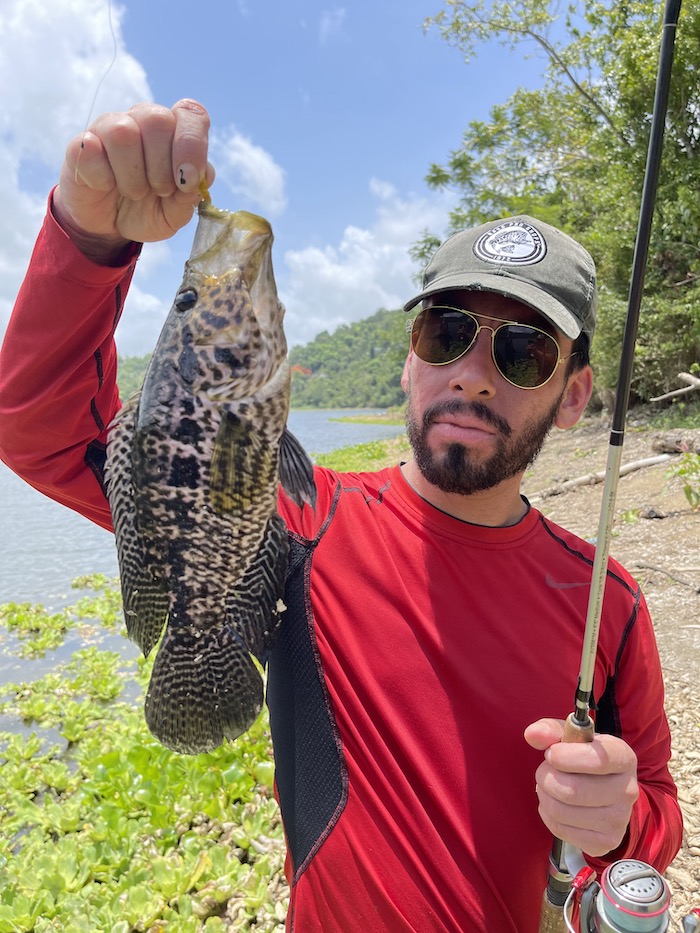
(369, 269)
(138, 330)
(22, 213)
(154, 256)
(52, 58)
(331, 24)
(249, 171)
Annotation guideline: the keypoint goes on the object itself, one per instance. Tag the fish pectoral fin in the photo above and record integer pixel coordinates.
(242, 464)
(296, 471)
(253, 609)
(145, 601)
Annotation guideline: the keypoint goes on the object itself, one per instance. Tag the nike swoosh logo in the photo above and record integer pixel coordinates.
(555, 585)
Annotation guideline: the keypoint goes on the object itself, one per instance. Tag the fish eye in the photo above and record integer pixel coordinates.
(186, 299)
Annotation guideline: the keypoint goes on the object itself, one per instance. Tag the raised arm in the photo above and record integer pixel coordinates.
(132, 178)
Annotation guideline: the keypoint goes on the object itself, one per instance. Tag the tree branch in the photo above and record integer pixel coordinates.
(561, 64)
(694, 383)
(590, 479)
(556, 59)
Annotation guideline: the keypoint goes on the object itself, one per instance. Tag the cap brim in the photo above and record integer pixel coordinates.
(503, 284)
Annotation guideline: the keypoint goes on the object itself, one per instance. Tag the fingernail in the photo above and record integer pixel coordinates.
(187, 176)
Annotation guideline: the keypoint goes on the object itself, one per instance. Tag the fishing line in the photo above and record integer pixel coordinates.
(97, 89)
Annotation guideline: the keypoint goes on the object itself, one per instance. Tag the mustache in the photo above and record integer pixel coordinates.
(478, 410)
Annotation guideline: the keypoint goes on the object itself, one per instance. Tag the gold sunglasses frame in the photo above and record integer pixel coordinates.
(410, 324)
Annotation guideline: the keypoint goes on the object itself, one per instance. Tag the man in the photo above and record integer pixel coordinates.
(434, 616)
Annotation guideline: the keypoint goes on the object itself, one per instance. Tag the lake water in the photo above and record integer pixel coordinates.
(44, 546)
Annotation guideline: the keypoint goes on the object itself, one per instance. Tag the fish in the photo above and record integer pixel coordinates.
(193, 463)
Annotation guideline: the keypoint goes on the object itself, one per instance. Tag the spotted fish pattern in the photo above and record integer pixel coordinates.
(193, 464)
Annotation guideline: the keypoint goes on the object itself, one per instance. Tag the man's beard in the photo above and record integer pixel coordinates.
(455, 470)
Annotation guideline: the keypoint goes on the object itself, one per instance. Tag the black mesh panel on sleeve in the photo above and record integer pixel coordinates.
(309, 766)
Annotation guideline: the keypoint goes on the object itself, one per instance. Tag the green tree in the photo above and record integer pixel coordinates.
(573, 153)
(130, 373)
(359, 365)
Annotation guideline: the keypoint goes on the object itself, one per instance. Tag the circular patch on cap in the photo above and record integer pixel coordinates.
(514, 242)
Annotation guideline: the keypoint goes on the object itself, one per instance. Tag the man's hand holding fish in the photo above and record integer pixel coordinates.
(133, 177)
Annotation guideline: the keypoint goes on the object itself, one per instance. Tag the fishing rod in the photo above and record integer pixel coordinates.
(579, 726)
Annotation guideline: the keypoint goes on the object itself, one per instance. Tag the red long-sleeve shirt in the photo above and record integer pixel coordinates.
(415, 651)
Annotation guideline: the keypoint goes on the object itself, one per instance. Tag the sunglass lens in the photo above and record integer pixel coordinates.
(441, 335)
(527, 357)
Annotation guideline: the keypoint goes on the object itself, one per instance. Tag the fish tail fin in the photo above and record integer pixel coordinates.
(296, 471)
(204, 688)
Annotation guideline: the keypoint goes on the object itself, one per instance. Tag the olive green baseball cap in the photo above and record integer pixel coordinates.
(522, 258)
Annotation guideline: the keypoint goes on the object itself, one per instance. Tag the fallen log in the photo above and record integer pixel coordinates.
(693, 384)
(590, 479)
(675, 442)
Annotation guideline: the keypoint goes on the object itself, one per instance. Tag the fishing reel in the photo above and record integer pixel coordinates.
(630, 897)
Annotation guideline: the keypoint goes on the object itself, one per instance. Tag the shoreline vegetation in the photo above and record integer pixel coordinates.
(101, 827)
(104, 830)
(391, 416)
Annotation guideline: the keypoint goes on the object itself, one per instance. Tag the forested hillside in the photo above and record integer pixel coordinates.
(130, 373)
(357, 366)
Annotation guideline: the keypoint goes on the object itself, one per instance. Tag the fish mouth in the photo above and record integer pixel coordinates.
(226, 240)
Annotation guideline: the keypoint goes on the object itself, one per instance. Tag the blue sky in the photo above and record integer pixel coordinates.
(325, 118)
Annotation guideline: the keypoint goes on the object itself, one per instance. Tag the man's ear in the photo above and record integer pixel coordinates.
(578, 392)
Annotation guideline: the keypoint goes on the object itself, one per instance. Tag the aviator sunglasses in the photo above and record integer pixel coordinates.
(524, 355)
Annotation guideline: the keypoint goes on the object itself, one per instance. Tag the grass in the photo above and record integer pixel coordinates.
(390, 416)
(677, 416)
(374, 455)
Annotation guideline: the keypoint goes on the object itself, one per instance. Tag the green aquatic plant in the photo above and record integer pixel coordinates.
(104, 829)
(36, 631)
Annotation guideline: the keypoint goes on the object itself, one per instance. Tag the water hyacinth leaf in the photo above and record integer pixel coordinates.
(56, 774)
(140, 905)
(170, 875)
(264, 773)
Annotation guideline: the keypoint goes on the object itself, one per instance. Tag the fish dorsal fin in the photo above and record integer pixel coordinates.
(296, 471)
(241, 464)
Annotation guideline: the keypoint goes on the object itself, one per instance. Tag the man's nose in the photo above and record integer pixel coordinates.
(475, 373)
